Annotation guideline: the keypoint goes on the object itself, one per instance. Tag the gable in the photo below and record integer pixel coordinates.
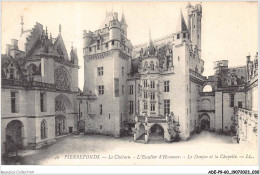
(60, 49)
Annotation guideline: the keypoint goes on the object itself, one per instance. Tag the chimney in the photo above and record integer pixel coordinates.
(8, 49)
(248, 58)
(14, 43)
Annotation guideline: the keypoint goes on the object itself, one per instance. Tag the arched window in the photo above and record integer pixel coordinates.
(207, 88)
(145, 65)
(152, 65)
(43, 129)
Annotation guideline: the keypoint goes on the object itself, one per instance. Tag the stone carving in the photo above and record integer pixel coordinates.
(62, 79)
(62, 103)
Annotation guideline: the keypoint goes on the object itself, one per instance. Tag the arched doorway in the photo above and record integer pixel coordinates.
(14, 134)
(156, 132)
(81, 126)
(60, 125)
(141, 132)
(205, 122)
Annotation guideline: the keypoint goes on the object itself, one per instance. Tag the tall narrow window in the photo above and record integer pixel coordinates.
(123, 71)
(145, 106)
(11, 73)
(152, 95)
(166, 106)
(145, 83)
(178, 36)
(106, 45)
(240, 104)
(166, 86)
(100, 90)
(152, 107)
(152, 65)
(184, 35)
(232, 81)
(43, 101)
(152, 84)
(13, 102)
(100, 109)
(145, 94)
(113, 42)
(123, 89)
(43, 129)
(131, 107)
(100, 71)
(90, 49)
(131, 89)
(232, 99)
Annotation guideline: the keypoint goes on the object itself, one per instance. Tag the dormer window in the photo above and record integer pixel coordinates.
(11, 73)
(152, 66)
(178, 36)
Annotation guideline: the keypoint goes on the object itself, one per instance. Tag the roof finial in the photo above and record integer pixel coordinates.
(22, 23)
(46, 30)
(150, 38)
(59, 29)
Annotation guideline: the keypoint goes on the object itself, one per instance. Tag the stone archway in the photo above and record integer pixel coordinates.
(14, 135)
(81, 126)
(60, 125)
(156, 132)
(205, 122)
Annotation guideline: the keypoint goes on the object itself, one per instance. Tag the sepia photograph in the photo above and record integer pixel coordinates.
(129, 83)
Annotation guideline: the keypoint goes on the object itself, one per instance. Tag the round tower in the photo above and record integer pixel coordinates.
(114, 32)
(87, 38)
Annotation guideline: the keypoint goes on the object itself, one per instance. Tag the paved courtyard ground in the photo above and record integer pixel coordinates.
(206, 148)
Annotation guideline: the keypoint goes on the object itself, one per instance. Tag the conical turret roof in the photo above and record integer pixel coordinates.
(151, 49)
(181, 25)
(123, 21)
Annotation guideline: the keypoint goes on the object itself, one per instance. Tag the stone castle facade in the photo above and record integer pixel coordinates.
(157, 88)
(39, 90)
(154, 90)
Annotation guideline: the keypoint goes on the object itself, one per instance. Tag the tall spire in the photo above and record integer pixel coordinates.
(151, 48)
(59, 29)
(181, 26)
(22, 23)
(123, 21)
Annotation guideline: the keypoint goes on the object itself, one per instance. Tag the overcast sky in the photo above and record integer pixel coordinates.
(229, 29)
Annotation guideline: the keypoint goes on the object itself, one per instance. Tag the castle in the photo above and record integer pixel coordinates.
(154, 90)
(157, 88)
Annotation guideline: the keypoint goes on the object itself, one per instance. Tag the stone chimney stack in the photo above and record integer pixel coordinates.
(14, 44)
(8, 49)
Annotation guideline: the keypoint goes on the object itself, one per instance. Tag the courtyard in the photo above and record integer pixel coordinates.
(205, 148)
